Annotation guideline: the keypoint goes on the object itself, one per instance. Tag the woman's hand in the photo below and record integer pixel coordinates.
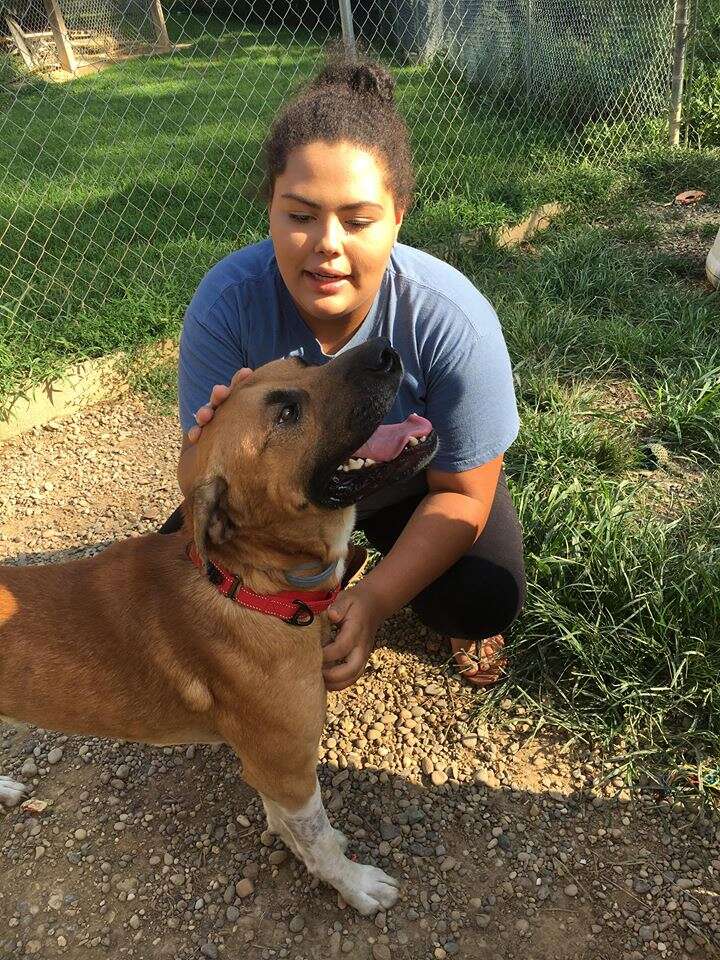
(219, 393)
(357, 613)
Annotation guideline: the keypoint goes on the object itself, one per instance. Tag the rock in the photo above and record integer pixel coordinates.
(381, 951)
(29, 768)
(243, 888)
(522, 926)
(388, 831)
(122, 772)
(209, 950)
(571, 890)
(297, 923)
(232, 913)
(438, 778)
(55, 756)
(277, 857)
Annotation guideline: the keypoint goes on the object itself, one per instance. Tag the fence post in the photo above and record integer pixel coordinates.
(346, 19)
(60, 33)
(680, 39)
(529, 53)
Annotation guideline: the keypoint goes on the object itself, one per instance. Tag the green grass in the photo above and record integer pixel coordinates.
(129, 203)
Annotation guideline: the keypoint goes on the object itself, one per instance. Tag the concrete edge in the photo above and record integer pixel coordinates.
(80, 386)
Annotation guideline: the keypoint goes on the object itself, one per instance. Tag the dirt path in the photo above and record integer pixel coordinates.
(505, 845)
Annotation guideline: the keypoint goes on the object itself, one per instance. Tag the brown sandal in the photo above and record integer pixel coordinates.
(486, 668)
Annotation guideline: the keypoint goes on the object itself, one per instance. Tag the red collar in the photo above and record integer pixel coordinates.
(297, 607)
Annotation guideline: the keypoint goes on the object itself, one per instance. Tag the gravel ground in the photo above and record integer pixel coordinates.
(506, 845)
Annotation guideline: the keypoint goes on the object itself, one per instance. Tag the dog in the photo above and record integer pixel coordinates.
(198, 636)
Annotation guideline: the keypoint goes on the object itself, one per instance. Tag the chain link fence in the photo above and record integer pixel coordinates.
(121, 183)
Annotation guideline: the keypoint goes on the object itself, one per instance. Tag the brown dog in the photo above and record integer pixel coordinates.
(138, 643)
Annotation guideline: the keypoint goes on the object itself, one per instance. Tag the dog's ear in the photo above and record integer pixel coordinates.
(212, 524)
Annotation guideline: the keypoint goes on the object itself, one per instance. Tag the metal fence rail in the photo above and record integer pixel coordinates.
(121, 184)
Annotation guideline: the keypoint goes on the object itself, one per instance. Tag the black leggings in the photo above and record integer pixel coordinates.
(481, 594)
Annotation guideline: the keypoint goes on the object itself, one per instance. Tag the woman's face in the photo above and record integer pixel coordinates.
(333, 224)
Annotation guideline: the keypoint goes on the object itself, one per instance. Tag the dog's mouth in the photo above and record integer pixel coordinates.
(393, 452)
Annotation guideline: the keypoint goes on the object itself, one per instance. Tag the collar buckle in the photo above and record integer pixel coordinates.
(302, 617)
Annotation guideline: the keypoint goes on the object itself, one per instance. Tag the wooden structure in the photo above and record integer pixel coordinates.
(63, 40)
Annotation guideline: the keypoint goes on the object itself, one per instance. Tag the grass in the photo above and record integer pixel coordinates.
(615, 346)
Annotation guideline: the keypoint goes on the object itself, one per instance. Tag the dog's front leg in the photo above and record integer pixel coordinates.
(314, 841)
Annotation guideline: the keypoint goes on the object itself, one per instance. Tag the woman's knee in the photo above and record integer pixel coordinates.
(474, 599)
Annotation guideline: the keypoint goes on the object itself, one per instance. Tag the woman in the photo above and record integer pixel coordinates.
(339, 179)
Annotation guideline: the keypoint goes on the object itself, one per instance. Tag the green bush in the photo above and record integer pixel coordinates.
(704, 107)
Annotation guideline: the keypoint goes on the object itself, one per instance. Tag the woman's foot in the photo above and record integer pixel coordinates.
(480, 662)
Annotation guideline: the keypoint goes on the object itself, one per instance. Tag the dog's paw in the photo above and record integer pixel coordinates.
(369, 889)
(11, 792)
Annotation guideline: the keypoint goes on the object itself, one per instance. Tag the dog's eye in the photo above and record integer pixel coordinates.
(290, 413)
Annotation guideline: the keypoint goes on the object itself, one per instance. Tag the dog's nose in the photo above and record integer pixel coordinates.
(384, 359)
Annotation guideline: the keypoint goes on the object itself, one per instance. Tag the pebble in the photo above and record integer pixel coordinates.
(244, 888)
(571, 890)
(381, 951)
(55, 756)
(297, 923)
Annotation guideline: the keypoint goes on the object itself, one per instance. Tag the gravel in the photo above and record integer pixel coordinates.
(506, 844)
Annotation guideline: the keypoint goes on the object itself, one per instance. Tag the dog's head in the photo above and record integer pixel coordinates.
(286, 454)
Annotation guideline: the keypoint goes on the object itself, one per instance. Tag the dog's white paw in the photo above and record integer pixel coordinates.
(11, 792)
(368, 889)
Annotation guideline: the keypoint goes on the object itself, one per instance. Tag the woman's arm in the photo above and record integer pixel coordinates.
(444, 525)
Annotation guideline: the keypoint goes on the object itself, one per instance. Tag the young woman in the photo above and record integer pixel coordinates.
(339, 180)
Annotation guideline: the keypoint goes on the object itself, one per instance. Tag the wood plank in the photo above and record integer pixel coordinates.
(19, 38)
(158, 19)
(60, 33)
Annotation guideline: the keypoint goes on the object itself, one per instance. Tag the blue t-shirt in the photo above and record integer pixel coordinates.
(456, 366)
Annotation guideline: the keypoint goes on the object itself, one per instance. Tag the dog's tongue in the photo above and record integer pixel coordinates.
(388, 440)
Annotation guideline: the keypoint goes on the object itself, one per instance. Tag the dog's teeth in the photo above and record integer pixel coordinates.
(369, 462)
(355, 464)
(423, 439)
(413, 441)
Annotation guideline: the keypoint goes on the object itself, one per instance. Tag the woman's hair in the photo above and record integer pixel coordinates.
(349, 101)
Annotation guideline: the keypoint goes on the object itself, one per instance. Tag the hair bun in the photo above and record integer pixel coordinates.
(366, 79)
